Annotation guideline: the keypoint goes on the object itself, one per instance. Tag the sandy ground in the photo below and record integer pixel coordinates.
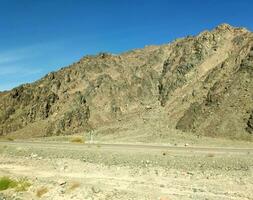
(76, 171)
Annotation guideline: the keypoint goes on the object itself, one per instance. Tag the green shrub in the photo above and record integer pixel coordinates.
(20, 185)
(6, 182)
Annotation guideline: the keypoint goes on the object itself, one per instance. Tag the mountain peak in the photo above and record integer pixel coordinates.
(224, 27)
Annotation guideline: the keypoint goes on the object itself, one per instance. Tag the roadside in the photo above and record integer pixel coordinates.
(78, 171)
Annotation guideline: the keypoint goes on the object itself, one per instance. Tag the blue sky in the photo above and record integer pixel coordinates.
(39, 36)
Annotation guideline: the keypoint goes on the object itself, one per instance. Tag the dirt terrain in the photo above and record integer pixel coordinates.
(127, 171)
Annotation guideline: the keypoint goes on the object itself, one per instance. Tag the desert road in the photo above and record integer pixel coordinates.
(125, 147)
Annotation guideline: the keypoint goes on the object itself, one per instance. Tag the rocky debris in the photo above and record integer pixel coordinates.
(33, 155)
(189, 119)
(63, 168)
(61, 182)
(3, 197)
(75, 118)
(95, 189)
(105, 179)
(249, 127)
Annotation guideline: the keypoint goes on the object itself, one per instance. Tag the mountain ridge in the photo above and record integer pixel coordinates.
(204, 84)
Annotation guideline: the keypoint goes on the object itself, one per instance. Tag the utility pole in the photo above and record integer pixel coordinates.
(91, 136)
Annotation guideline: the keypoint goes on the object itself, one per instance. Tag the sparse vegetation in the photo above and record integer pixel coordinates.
(73, 171)
(19, 185)
(22, 185)
(74, 185)
(41, 191)
(6, 183)
(10, 139)
(77, 140)
(210, 155)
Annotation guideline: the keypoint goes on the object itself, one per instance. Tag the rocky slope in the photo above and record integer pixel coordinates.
(204, 84)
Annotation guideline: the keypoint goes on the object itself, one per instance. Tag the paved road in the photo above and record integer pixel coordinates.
(143, 147)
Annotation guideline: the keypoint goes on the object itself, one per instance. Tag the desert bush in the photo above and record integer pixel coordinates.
(10, 139)
(20, 185)
(41, 191)
(6, 183)
(210, 155)
(74, 185)
(77, 140)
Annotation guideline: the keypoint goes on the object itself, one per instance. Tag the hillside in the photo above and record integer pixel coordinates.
(203, 84)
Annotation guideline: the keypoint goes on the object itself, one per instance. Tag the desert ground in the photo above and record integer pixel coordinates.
(131, 159)
(65, 168)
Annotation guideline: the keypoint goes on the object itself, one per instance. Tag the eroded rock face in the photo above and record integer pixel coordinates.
(249, 127)
(190, 119)
(204, 83)
(229, 96)
(74, 119)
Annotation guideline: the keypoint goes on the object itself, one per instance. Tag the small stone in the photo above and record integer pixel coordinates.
(190, 173)
(62, 191)
(63, 168)
(61, 182)
(33, 155)
(95, 189)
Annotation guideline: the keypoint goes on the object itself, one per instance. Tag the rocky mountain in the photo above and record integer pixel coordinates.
(204, 83)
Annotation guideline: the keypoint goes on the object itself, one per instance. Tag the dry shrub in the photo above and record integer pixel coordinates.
(210, 155)
(41, 191)
(74, 185)
(22, 185)
(77, 140)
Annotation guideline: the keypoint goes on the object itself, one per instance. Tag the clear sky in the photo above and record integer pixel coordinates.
(39, 36)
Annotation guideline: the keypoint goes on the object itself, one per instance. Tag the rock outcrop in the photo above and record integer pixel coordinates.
(205, 84)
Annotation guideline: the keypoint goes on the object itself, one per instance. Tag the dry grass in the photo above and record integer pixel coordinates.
(77, 140)
(74, 185)
(41, 191)
(22, 185)
(210, 155)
